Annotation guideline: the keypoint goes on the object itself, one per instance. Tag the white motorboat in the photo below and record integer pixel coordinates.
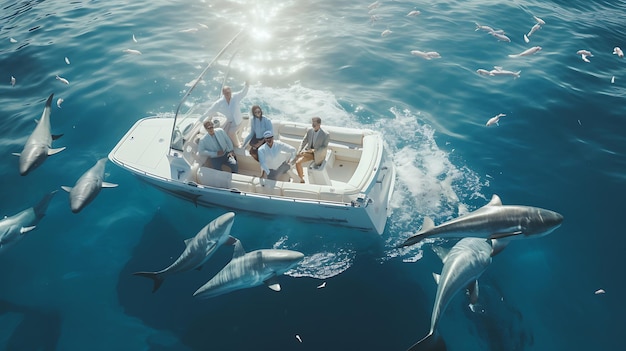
(352, 187)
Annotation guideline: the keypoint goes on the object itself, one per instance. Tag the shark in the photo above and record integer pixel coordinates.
(14, 228)
(463, 264)
(198, 249)
(493, 221)
(39, 144)
(247, 270)
(88, 186)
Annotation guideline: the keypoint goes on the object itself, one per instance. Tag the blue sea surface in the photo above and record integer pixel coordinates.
(68, 285)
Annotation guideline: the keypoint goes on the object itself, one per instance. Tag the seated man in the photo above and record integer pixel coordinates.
(218, 147)
(313, 146)
(273, 162)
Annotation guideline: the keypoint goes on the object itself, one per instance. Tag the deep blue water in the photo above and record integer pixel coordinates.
(68, 284)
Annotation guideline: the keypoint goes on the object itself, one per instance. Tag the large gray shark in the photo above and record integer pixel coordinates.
(247, 270)
(39, 143)
(14, 228)
(198, 249)
(462, 266)
(88, 186)
(493, 221)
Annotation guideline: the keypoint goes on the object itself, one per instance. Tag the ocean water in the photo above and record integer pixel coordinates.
(68, 284)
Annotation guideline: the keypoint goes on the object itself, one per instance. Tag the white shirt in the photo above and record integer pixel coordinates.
(272, 158)
(231, 110)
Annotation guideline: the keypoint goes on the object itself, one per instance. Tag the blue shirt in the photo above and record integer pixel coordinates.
(209, 145)
(257, 128)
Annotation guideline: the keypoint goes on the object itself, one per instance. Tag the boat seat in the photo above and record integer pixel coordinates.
(319, 174)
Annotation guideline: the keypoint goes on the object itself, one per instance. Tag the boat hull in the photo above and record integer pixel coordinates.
(366, 209)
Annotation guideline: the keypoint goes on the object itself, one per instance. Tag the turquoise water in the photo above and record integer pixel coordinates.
(68, 284)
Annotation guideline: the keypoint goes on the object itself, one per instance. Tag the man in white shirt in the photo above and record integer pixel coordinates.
(228, 105)
(274, 162)
(217, 146)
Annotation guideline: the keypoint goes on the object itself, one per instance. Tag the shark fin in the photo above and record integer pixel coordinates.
(231, 241)
(56, 136)
(239, 250)
(432, 342)
(108, 185)
(272, 283)
(66, 188)
(16, 154)
(55, 151)
(187, 241)
(437, 277)
(158, 280)
(25, 230)
(498, 245)
(495, 201)
(473, 292)
(427, 225)
(442, 252)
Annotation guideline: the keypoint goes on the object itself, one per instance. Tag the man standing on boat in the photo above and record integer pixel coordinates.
(228, 105)
(313, 146)
(271, 157)
(217, 146)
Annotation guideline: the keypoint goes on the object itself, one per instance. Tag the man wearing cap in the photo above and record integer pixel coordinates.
(273, 161)
(217, 146)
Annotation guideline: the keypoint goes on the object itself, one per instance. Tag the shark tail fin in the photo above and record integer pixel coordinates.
(42, 206)
(426, 227)
(157, 278)
(431, 342)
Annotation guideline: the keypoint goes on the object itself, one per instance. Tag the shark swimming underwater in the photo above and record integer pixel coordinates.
(14, 228)
(88, 186)
(493, 221)
(198, 249)
(463, 264)
(39, 143)
(247, 270)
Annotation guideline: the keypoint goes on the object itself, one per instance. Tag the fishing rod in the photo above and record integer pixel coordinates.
(219, 54)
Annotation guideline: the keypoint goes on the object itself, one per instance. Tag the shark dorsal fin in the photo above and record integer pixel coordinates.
(239, 250)
(272, 283)
(24, 230)
(436, 276)
(427, 225)
(442, 252)
(108, 185)
(495, 201)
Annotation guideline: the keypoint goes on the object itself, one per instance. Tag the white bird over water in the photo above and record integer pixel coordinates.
(495, 120)
(425, 55)
(584, 54)
(527, 52)
(131, 51)
(385, 33)
(62, 80)
(12, 81)
(617, 51)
